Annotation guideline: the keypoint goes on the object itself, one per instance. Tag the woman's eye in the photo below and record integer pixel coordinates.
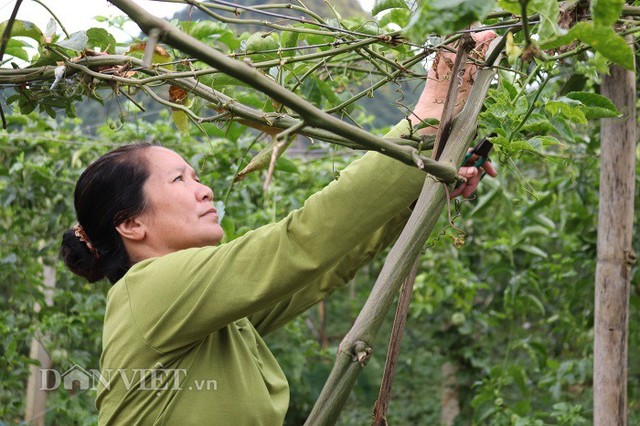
(179, 178)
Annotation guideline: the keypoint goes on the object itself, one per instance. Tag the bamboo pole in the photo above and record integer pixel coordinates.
(615, 253)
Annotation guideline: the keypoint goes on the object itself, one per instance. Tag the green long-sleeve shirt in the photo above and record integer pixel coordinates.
(182, 333)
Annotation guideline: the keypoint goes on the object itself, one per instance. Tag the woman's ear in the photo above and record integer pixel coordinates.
(132, 229)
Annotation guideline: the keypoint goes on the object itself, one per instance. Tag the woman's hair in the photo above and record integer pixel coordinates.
(108, 192)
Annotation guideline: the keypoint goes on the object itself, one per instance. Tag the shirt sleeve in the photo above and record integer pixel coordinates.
(269, 320)
(178, 299)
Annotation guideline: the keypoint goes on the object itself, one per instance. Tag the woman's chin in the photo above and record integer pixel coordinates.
(216, 236)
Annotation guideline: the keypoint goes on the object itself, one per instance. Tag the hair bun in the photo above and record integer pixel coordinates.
(79, 259)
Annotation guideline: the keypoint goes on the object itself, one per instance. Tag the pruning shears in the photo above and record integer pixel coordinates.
(482, 150)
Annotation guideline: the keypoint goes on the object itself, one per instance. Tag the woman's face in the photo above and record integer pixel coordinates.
(179, 213)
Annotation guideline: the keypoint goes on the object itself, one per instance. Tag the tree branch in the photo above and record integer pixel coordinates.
(309, 113)
(7, 30)
(234, 110)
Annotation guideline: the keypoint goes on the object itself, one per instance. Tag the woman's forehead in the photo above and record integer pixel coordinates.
(162, 158)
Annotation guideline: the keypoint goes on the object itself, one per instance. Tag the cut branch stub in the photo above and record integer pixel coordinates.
(361, 352)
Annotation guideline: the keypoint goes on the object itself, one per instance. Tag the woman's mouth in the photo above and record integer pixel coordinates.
(210, 212)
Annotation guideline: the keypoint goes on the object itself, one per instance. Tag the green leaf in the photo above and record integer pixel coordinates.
(485, 200)
(602, 39)
(605, 12)
(24, 29)
(311, 90)
(540, 142)
(426, 122)
(547, 11)
(559, 41)
(99, 37)
(545, 221)
(520, 145)
(522, 408)
(500, 141)
(229, 228)
(289, 40)
(581, 106)
(534, 230)
(446, 16)
(260, 42)
(212, 30)
(608, 43)
(399, 17)
(11, 99)
(262, 159)
(382, 5)
(26, 106)
(568, 108)
(229, 39)
(181, 120)
(562, 128)
(534, 299)
(15, 48)
(533, 250)
(77, 41)
(596, 106)
(537, 124)
(286, 165)
(520, 378)
(220, 80)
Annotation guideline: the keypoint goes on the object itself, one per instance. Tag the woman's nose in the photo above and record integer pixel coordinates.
(204, 192)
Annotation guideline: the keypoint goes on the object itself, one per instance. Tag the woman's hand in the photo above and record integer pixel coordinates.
(431, 104)
(473, 176)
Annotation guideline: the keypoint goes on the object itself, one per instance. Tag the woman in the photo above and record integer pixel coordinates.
(183, 324)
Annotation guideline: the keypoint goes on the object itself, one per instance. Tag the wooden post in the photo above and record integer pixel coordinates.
(450, 394)
(615, 254)
(36, 403)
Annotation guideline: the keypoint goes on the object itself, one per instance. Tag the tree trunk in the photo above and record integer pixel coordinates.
(615, 254)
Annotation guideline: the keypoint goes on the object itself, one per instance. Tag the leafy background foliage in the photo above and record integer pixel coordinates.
(512, 308)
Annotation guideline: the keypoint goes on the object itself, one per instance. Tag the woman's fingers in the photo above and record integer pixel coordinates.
(473, 175)
(490, 168)
(468, 172)
(471, 186)
(456, 192)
